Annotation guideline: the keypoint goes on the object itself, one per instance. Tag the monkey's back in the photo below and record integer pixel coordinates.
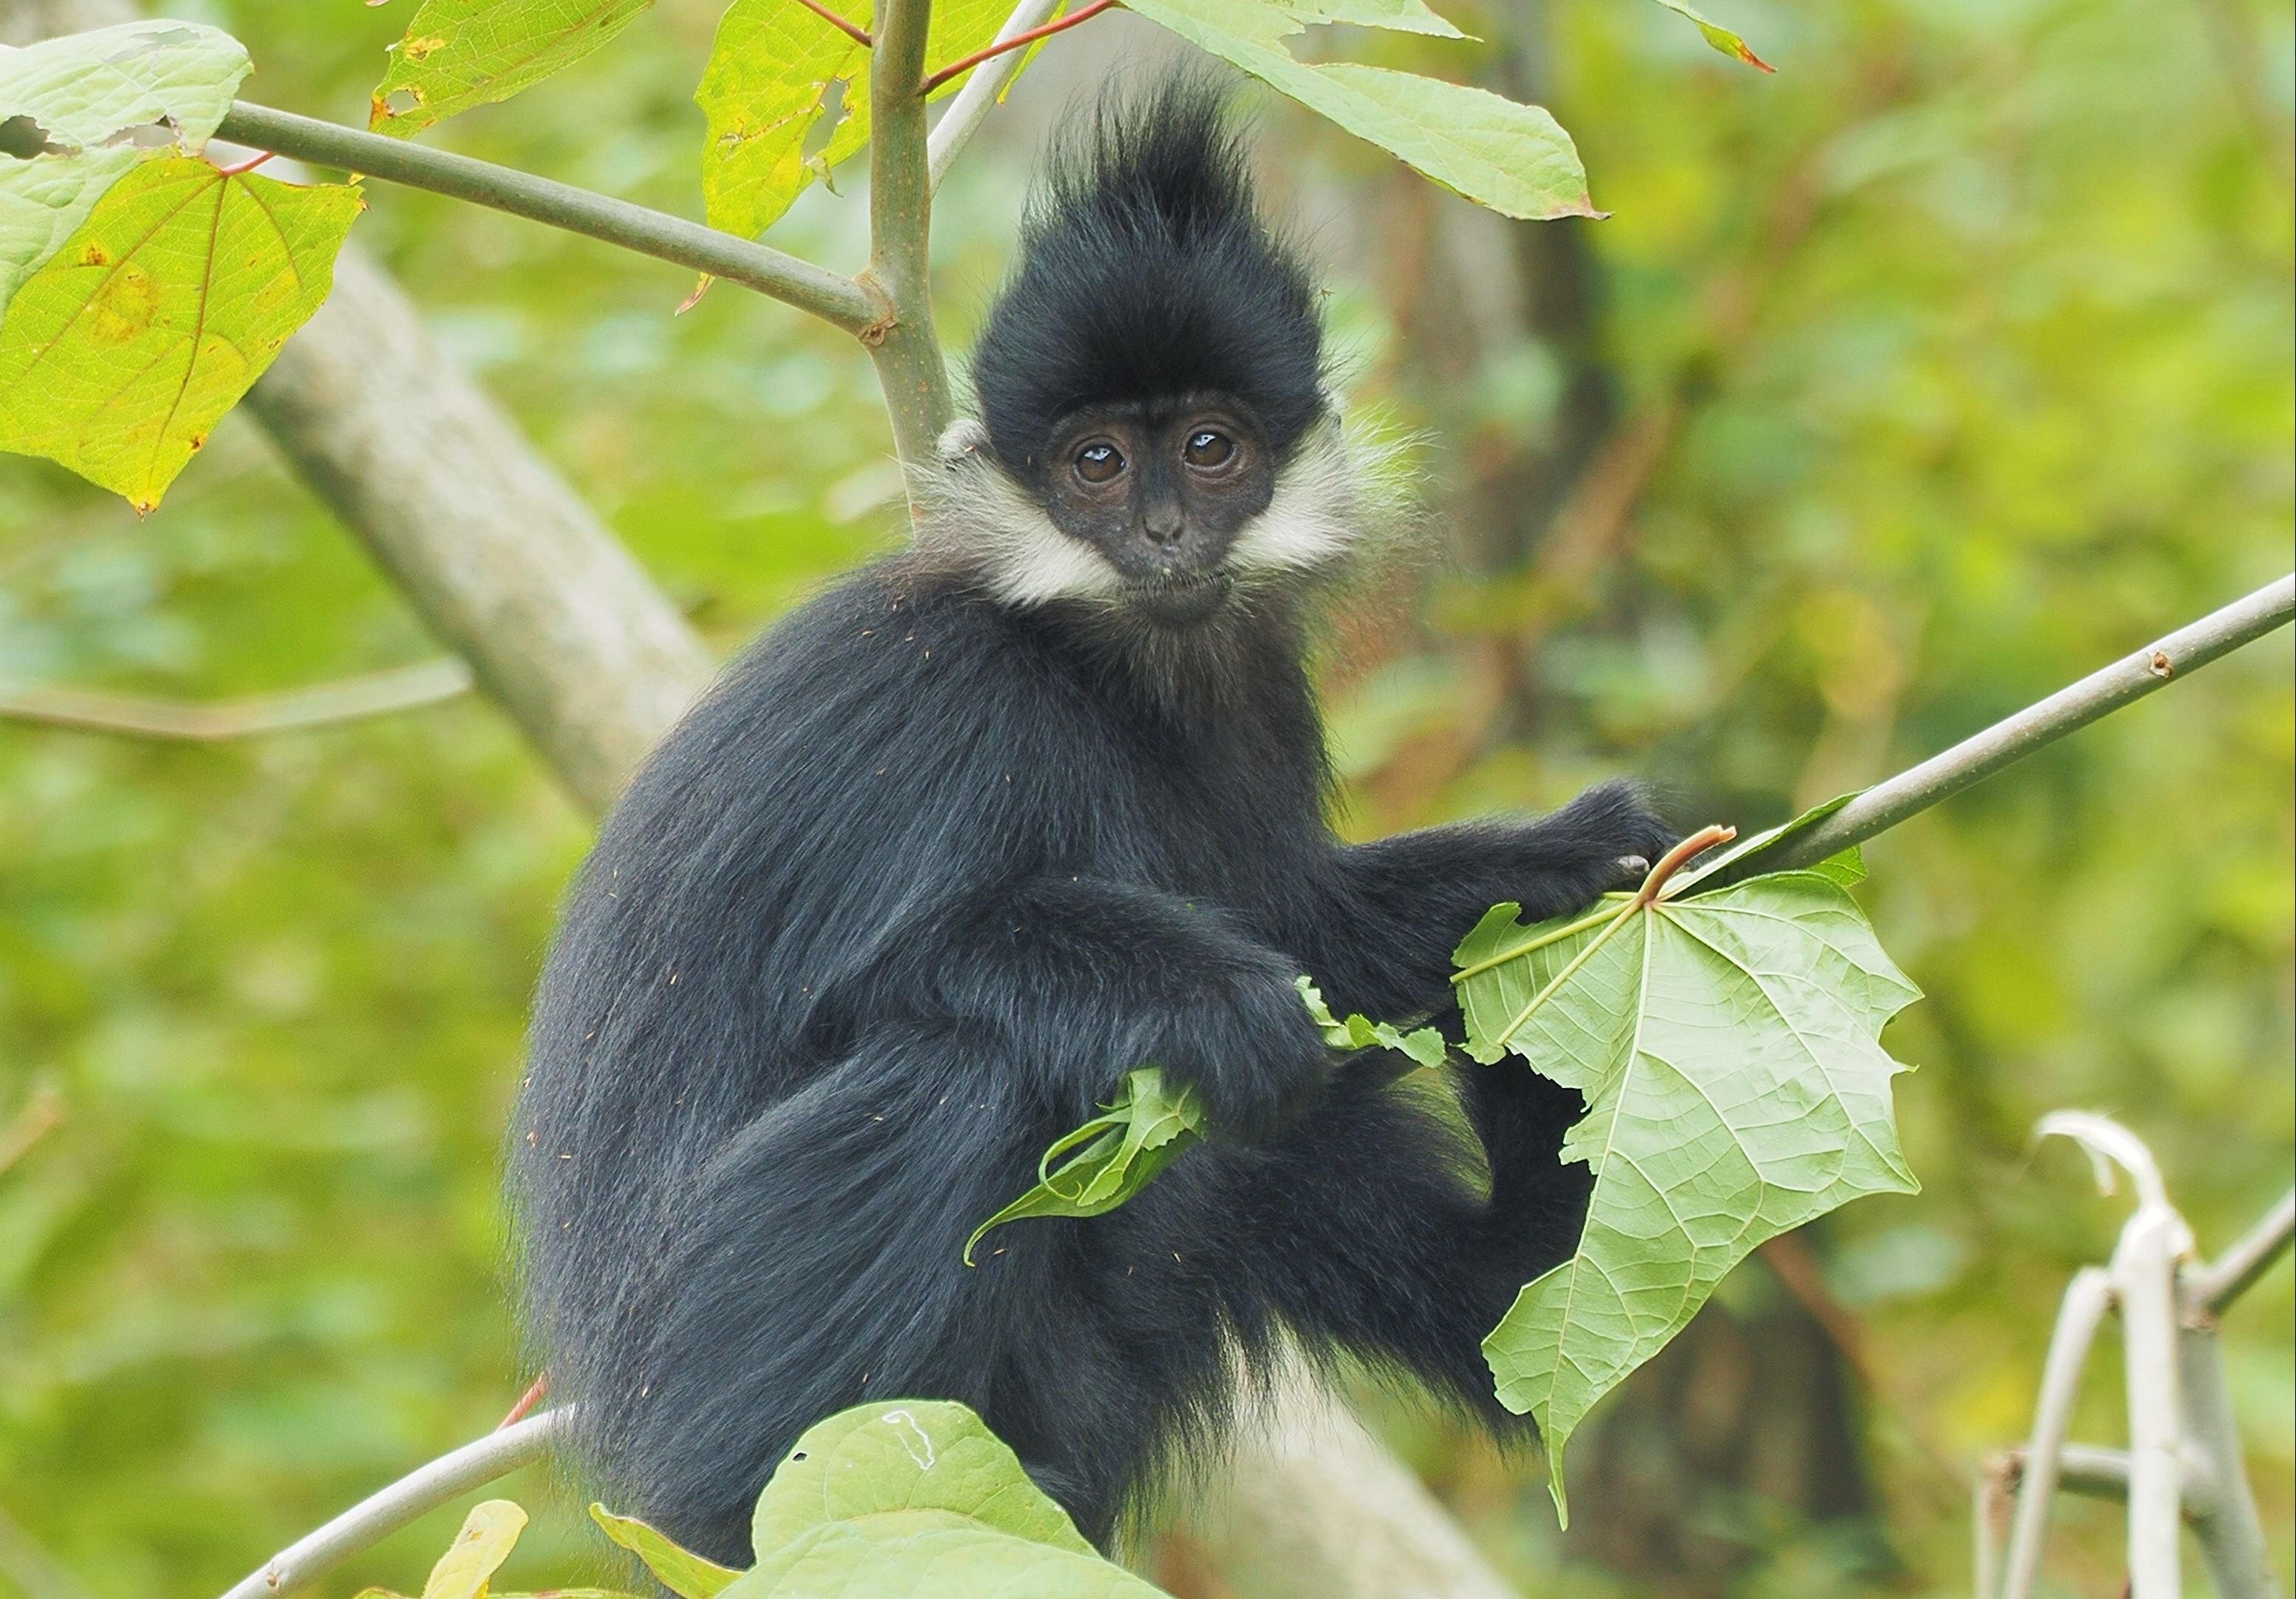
(757, 911)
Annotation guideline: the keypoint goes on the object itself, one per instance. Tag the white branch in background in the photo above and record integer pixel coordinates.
(2087, 1299)
(349, 699)
(420, 1491)
(978, 97)
(2216, 1285)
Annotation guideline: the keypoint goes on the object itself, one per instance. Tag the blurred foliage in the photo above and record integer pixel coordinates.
(1901, 388)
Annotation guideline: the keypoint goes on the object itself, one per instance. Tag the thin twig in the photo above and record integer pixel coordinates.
(420, 1491)
(40, 1115)
(851, 30)
(2216, 1285)
(1019, 41)
(980, 93)
(2143, 1281)
(825, 293)
(374, 694)
(2125, 681)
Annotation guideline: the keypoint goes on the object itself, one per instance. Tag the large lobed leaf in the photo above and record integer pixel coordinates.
(911, 1497)
(121, 353)
(75, 113)
(764, 94)
(1727, 1049)
(460, 54)
(1515, 159)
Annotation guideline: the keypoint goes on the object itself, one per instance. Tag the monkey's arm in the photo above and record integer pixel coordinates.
(1089, 979)
(1402, 904)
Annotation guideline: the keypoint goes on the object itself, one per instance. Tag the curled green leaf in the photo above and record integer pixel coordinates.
(1425, 1046)
(1729, 43)
(1145, 1129)
(679, 1570)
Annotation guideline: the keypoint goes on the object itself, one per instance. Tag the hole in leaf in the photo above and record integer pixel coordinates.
(145, 44)
(830, 113)
(22, 137)
(400, 102)
(146, 135)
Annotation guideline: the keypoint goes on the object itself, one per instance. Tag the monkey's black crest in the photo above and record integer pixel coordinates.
(1147, 273)
(947, 853)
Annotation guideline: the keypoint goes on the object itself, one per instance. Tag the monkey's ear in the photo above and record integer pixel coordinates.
(966, 436)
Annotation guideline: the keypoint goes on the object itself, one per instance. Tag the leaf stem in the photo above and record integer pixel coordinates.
(1619, 919)
(1676, 859)
(1017, 42)
(972, 104)
(826, 294)
(851, 30)
(1592, 919)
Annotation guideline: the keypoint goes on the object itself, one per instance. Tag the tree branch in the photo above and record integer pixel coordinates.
(978, 97)
(493, 551)
(907, 351)
(769, 271)
(2128, 680)
(350, 700)
(2212, 1288)
(421, 1490)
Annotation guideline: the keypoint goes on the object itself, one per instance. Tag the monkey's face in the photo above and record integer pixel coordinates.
(1160, 491)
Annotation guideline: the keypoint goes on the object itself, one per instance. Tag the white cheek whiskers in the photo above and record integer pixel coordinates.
(973, 518)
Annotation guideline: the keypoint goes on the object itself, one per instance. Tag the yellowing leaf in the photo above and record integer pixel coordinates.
(458, 54)
(489, 1533)
(1729, 43)
(1727, 1048)
(679, 1570)
(78, 110)
(1400, 16)
(764, 90)
(1515, 159)
(119, 354)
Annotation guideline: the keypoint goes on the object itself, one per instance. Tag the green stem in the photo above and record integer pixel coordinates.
(841, 300)
(903, 344)
(1619, 919)
(1517, 952)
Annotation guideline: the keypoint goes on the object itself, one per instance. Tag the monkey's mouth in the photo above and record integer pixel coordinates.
(1177, 599)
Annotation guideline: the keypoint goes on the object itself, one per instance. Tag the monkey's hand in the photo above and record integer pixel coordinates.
(1403, 903)
(1091, 978)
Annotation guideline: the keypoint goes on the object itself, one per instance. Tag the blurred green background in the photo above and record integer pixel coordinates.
(1901, 388)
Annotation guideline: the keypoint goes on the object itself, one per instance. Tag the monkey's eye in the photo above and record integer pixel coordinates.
(1209, 450)
(1099, 463)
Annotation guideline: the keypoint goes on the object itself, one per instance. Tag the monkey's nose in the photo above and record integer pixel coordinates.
(1164, 525)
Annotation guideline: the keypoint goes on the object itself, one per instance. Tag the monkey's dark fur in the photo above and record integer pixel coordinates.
(931, 869)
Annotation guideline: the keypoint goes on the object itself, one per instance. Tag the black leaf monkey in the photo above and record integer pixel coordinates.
(956, 845)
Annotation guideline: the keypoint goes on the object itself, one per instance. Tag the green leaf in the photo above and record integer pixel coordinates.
(75, 109)
(459, 53)
(1400, 16)
(1515, 159)
(489, 1533)
(1145, 1131)
(1425, 1046)
(1729, 43)
(763, 89)
(1726, 1048)
(680, 1571)
(917, 1496)
(1850, 860)
(121, 353)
